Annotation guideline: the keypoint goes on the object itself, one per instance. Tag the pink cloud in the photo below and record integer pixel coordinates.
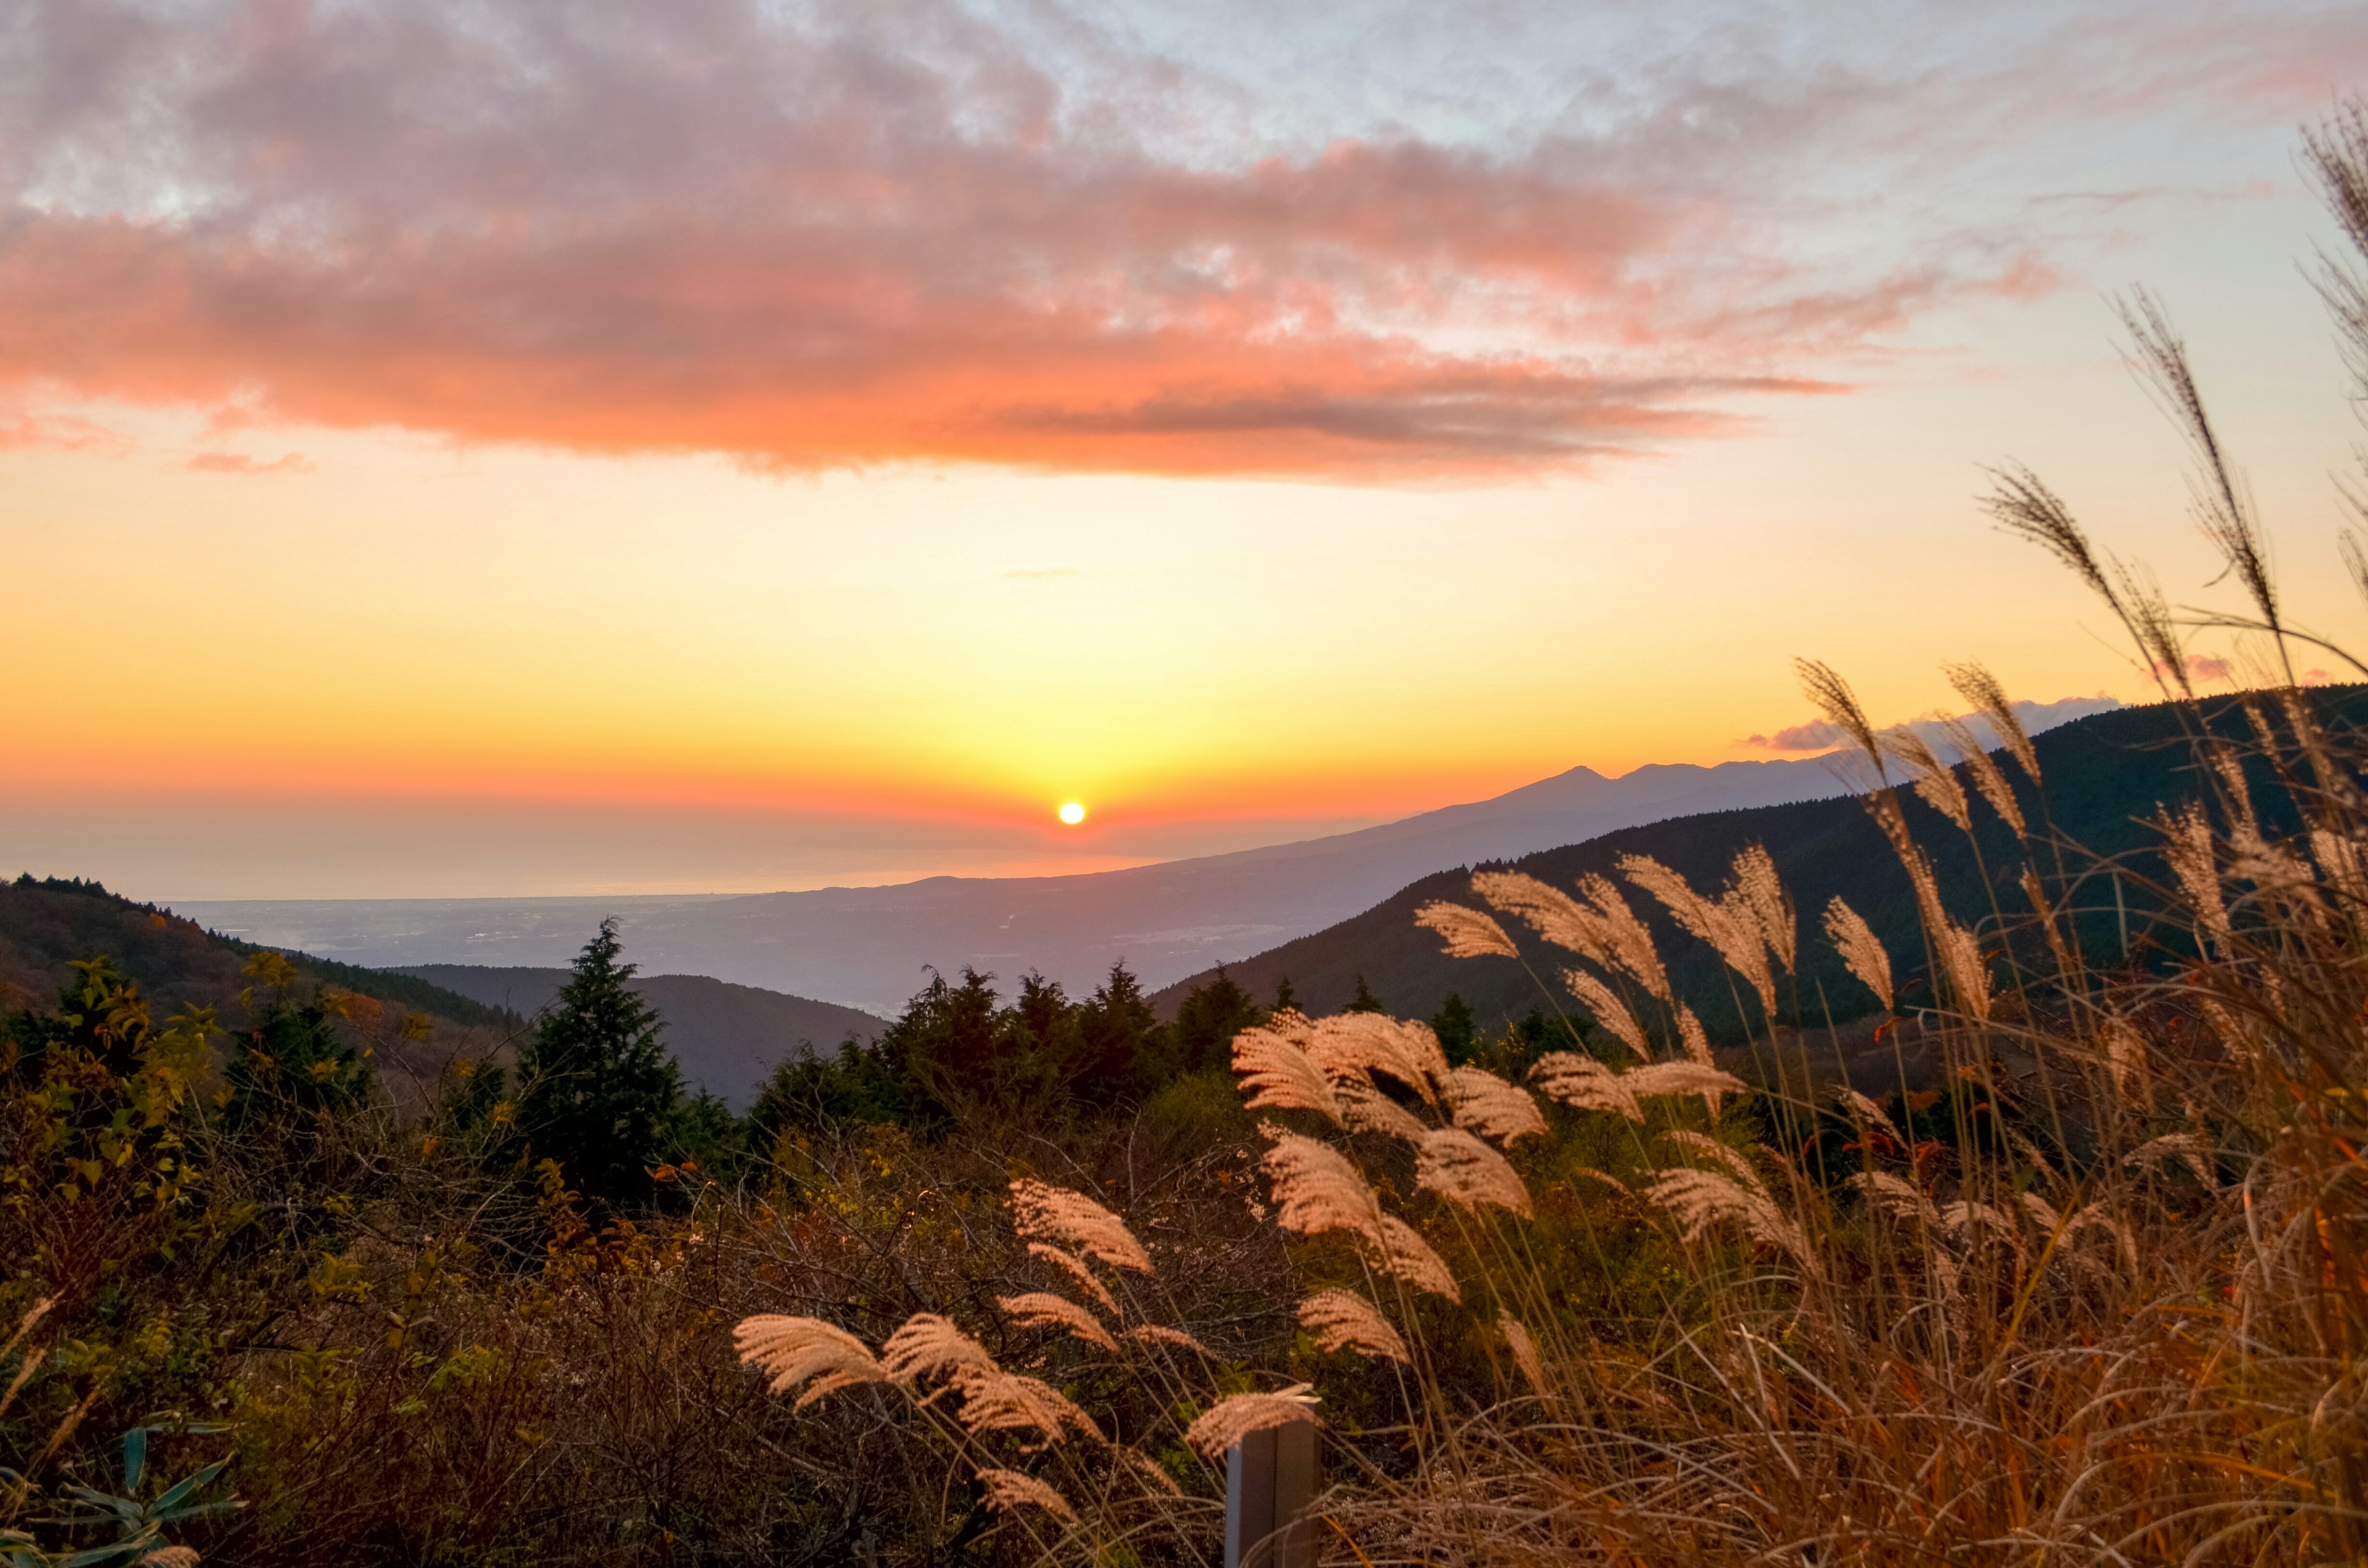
(236, 462)
(854, 238)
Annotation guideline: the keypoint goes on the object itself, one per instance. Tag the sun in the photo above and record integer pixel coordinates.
(1073, 813)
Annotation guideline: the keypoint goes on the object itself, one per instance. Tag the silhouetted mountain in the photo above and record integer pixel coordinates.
(726, 1038)
(2104, 775)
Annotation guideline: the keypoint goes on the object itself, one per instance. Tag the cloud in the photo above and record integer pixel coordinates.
(1817, 734)
(835, 234)
(1822, 735)
(829, 237)
(236, 462)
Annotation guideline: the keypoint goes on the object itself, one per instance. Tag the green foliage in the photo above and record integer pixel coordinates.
(1208, 1019)
(1364, 1001)
(598, 1092)
(1454, 1027)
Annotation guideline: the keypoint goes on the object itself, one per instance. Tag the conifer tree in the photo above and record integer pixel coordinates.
(599, 1090)
(1364, 1001)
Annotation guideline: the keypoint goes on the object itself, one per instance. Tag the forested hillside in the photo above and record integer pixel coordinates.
(2104, 778)
(726, 1037)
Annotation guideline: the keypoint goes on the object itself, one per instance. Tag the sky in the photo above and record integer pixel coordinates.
(503, 449)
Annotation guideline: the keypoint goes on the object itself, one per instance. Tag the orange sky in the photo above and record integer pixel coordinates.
(861, 440)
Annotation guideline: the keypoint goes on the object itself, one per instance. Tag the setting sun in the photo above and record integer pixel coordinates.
(1073, 813)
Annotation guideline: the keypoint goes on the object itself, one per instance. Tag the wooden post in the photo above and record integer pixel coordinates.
(1270, 1481)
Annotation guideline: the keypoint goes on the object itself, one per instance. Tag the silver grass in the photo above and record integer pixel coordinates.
(1585, 1084)
(2188, 845)
(1155, 1334)
(928, 1343)
(1988, 777)
(1554, 914)
(1281, 1076)
(1682, 1079)
(1936, 782)
(1470, 933)
(1405, 1049)
(1467, 1173)
(1524, 1349)
(795, 1349)
(1042, 1308)
(1982, 692)
(1341, 1320)
(1056, 1214)
(1075, 1267)
(1367, 1110)
(1609, 1009)
(1485, 1104)
(1402, 1254)
(1007, 1491)
(1230, 1420)
(1632, 940)
(1317, 1189)
(1691, 1037)
(1862, 950)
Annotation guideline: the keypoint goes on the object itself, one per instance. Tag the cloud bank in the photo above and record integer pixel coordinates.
(818, 235)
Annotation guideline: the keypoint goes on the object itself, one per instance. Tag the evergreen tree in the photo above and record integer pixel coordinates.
(599, 1092)
(1123, 1039)
(1364, 1001)
(1285, 999)
(1453, 1026)
(1207, 1020)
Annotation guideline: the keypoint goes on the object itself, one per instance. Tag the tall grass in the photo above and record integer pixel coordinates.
(2096, 1291)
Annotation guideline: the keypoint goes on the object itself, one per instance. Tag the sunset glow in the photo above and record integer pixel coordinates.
(868, 428)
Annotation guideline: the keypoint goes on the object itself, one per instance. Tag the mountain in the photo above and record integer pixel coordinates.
(47, 925)
(726, 1037)
(866, 947)
(2104, 776)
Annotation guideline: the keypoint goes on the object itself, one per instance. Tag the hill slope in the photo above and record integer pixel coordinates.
(2103, 774)
(726, 1038)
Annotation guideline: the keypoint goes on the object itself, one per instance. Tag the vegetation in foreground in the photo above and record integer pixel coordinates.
(2097, 1294)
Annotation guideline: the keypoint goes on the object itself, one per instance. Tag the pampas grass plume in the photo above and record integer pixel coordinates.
(1468, 1172)
(795, 1349)
(1230, 1420)
(1341, 1320)
(1470, 933)
(1042, 1308)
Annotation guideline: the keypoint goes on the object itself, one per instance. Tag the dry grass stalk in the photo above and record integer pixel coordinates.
(1405, 1049)
(1692, 1037)
(1934, 779)
(1988, 777)
(1157, 1333)
(1525, 1351)
(1862, 949)
(1485, 1104)
(1762, 891)
(1367, 1110)
(1982, 692)
(997, 1400)
(929, 1345)
(1609, 1010)
(1585, 1084)
(1075, 1267)
(1232, 1419)
(1470, 933)
(1968, 970)
(1056, 1214)
(1341, 1320)
(795, 1349)
(1729, 925)
(1468, 1172)
(1317, 1189)
(1630, 941)
(1041, 1308)
(1554, 914)
(1007, 1491)
(1280, 1074)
